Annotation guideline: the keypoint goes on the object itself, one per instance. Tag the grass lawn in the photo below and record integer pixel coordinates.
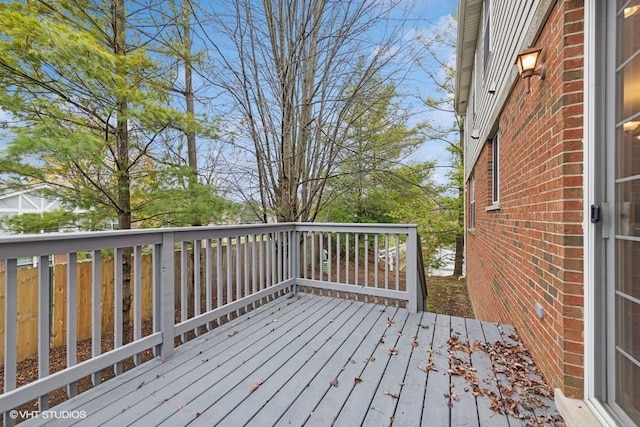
(448, 295)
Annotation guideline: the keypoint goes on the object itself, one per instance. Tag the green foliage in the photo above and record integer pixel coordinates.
(36, 223)
(64, 78)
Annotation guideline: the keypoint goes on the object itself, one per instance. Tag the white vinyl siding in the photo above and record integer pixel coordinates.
(513, 27)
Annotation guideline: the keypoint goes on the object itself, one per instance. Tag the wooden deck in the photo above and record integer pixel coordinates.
(312, 360)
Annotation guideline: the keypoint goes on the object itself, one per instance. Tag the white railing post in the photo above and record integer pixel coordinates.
(167, 290)
(412, 268)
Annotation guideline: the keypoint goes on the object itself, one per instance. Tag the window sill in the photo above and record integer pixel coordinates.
(493, 207)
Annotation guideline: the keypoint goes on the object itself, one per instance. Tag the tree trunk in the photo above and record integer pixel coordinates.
(189, 99)
(122, 147)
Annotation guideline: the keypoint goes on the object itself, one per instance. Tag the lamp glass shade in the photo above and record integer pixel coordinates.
(631, 126)
(527, 60)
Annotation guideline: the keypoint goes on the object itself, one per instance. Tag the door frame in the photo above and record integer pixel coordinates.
(598, 186)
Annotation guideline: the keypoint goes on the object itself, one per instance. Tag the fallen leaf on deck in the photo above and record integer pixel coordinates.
(393, 351)
(334, 382)
(255, 386)
(233, 333)
(357, 380)
(388, 393)
(182, 405)
(140, 386)
(389, 322)
(414, 343)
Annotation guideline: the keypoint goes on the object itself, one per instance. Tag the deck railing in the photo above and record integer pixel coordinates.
(199, 278)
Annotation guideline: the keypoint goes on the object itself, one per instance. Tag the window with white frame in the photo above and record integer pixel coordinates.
(495, 169)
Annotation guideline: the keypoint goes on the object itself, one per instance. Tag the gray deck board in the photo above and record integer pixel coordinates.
(464, 410)
(190, 366)
(346, 358)
(435, 411)
(409, 410)
(334, 400)
(305, 353)
(358, 404)
(192, 392)
(485, 376)
(274, 373)
(383, 406)
(320, 370)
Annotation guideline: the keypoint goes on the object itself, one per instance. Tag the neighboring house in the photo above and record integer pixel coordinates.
(553, 190)
(29, 201)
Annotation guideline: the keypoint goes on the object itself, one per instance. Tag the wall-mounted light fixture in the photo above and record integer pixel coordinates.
(530, 64)
(632, 127)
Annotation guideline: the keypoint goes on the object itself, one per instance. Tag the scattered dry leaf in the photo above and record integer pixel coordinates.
(393, 351)
(140, 385)
(389, 322)
(334, 382)
(255, 386)
(357, 380)
(414, 343)
(233, 333)
(388, 393)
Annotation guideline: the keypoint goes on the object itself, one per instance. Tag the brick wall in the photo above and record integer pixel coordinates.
(531, 249)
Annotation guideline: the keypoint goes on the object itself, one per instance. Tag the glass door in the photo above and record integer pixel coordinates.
(623, 341)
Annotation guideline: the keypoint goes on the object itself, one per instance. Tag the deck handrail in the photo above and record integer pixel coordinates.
(248, 263)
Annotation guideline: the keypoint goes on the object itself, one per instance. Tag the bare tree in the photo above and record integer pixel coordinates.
(438, 64)
(291, 72)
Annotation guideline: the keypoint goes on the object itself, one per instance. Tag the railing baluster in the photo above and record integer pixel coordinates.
(386, 265)
(157, 293)
(117, 304)
(245, 260)
(44, 324)
(72, 321)
(137, 299)
(197, 289)
(96, 315)
(279, 258)
(208, 293)
(305, 265)
(254, 265)
(229, 251)
(356, 255)
(184, 302)
(321, 257)
(261, 262)
(377, 262)
(330, 260)
(274, 260)
(346, 258)
(397, 263)
(338, 259)
(313, 256)
(236, 252)
(219, 264)
(10, 330)
(366, 264)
